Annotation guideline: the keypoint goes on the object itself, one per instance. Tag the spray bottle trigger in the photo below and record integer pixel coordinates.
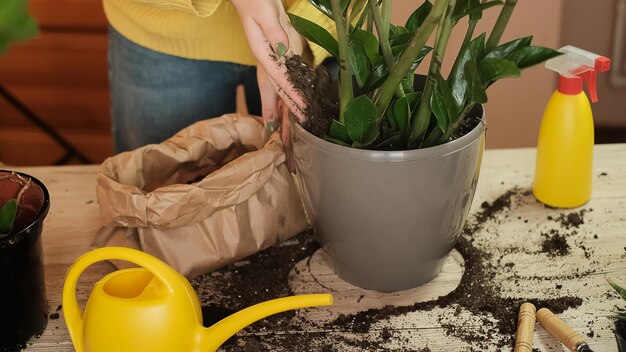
(590, 79)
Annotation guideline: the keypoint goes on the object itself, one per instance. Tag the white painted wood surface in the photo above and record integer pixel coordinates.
(74, 219)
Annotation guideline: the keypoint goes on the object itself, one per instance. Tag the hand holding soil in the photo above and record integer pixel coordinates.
(270, 37)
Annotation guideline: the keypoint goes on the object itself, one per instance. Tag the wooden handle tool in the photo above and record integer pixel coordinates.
(564, 333)
(525, 328)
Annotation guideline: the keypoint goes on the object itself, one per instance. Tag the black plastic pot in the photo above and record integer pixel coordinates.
(23, 306)
(620, 335)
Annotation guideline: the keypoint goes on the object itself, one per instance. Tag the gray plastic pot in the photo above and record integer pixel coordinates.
(388, 219)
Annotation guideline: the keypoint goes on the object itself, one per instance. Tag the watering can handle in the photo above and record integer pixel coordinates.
(71, 309)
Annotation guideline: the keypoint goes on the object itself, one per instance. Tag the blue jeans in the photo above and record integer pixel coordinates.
(154, 95)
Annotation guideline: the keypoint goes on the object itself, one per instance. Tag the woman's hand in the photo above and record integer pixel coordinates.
(270, 36)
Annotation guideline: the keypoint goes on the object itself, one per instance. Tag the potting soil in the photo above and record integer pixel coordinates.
(481, 312)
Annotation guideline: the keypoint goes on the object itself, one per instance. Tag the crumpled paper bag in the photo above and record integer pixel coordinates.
(244, 200)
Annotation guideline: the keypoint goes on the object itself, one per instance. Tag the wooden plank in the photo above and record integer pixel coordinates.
(64, 107)
(69, 14)
(74, 219)
(57, 59)
(27, 146)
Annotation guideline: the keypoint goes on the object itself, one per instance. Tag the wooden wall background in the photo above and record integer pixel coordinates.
(62, 76)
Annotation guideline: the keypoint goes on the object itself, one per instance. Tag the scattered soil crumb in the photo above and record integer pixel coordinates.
(386, 334)
(574, 219)
(253, 345)
(54, 316)
(603, 174)
(555, 245)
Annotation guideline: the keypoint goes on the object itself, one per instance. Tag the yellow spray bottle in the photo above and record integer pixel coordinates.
(563, 169)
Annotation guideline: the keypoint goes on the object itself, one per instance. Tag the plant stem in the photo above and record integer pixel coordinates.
(382, 28)
(385, 93)
(441, 42)
(386, 13)
(500, 26)
(469, 34)
(345, 76)
(456, 124)
(470, 29)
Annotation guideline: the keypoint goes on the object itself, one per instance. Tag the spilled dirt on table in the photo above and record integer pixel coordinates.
(479, 311)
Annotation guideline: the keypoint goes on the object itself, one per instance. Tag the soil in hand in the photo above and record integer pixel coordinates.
(319, 91)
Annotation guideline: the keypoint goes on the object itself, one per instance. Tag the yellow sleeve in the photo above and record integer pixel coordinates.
(304, 9)
(200, 8)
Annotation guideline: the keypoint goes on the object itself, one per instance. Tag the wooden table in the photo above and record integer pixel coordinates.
(74, 219)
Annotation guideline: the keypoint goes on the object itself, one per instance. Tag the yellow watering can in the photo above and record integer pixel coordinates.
(153, 308)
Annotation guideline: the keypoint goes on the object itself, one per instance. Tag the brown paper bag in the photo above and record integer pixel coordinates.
(247, 201)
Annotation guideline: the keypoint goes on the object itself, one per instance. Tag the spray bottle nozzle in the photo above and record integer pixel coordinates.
(576, 65)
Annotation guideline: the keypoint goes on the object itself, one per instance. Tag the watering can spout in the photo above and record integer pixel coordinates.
(221, 331)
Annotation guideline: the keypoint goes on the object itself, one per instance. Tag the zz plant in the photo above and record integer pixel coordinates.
(384, 111)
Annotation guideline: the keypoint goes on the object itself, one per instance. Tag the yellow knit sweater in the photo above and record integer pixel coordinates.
(198, 29)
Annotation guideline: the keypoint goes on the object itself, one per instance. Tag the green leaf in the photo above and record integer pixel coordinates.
(359, 62)
(495, 69)
(336, 141)
(476, 88)
(344, 5)
(315, 33)
(392, 121)
(418, 16)
(433, 138)
(414, 100)
(369, 42)
(408, 82)
(474, 9)
(475, 50)
(531, 55)
(338, 131)
(501, 51)
(377, 77)
(361, 119)
(393, 140)
(443, 105)
(355, 8)
(401, 113)
(380, 72)
(460, 7)
(324, 6)
(617, 288)
(15, 23)
(400, 39)
(7, 216)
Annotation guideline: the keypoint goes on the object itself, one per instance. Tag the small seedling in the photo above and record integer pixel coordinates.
(620, 315)
(8, 213)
